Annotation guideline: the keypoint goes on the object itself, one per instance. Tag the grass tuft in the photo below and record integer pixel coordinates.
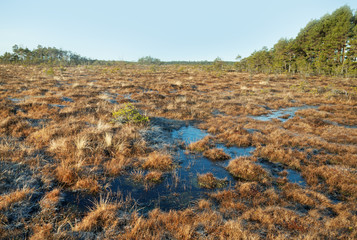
(209, 181)
(158, 161)
(216, 154)
(244, 168)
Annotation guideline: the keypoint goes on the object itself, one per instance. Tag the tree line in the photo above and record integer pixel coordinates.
(324, 46)
(43, 55)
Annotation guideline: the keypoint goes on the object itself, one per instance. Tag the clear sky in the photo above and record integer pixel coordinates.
(164, 29)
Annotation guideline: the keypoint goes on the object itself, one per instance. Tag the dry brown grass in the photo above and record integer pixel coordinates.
(76, 147)
(117, 165)
(201, 145)
(216, 154)
(305, 196)
(235, 230)
(245, 168)
(209, 181)
(333, 179)
(273, 216)
(173, 224)
(66, 174)
(88, 184)
(153, 176)
(159, 161)
(50, 200)
(204, 204)
(102, 216)
(41, 232)
(276, 153)
(6, 200)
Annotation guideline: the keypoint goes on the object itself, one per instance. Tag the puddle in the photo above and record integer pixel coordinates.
(148, 90)
(128, 97)
(234, 152)
(57, 105)
(16, 100)
(282, 114)
(295, 177)
(67, 99)
(217, 112)
(180, 188)
(112, 101)
(252, 130)
(109, 97)
(80, 202)
(274, 168)
(189, 134)
(37, 122)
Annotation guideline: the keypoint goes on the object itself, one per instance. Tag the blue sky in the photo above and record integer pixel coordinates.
(164, 29)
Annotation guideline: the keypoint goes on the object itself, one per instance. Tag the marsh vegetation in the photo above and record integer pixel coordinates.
(178, 153)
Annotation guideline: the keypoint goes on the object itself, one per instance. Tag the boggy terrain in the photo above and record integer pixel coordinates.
(222, 155)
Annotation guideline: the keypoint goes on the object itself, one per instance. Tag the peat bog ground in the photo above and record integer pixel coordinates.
(224, 155)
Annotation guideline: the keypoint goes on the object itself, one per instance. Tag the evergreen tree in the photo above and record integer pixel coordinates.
(324, 46)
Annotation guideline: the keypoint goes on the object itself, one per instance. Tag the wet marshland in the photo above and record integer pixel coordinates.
(61, 153)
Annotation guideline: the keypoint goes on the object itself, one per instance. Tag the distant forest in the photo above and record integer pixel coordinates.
(325, 46)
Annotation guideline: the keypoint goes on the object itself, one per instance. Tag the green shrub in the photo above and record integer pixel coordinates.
(50, 71)
(129, 114)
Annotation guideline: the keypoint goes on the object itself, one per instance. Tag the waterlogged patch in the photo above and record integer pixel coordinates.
(275, 168)
(67, 99)
(237, 151)
(295, 177)
(189, 134)
(128, 97)
(282, 114)
(16, 100)
(112, 101)
(179, 188)
(57, 105)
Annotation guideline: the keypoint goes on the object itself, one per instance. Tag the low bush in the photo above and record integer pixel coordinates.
(129, 114)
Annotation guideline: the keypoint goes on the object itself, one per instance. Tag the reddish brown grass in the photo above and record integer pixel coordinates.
(209, 181)
(244, 168)
(50, 200)
(202, 145)
(216, 154)
(6, 200)
(103, 215)
(153, 176)
(78, 148)
(159, 161)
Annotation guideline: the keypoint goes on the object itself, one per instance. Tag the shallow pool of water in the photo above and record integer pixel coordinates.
(180, 188)
(67, 99)
(16, 100)
(274, 168)
(282, 114)
(189, 134)
(112, 101)
(295, 177)
(57, 105)
(128, 97)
